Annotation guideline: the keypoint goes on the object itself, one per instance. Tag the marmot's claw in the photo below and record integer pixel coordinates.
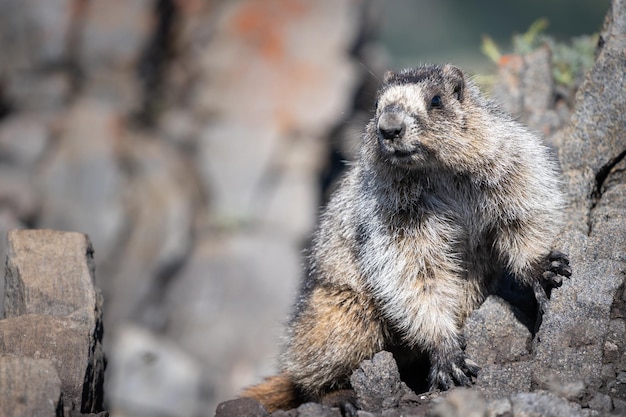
(557, 267)
(460, 373)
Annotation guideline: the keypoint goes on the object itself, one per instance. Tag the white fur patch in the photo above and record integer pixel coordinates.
(410, 96)
(417, 282)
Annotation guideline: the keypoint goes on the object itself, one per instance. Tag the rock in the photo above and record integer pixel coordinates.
(115, 33)
(504, 379)
(241, 407)
(501, 345)
(298, 101)
(595, 137)
(495, 335)
(525, 88)
(572, 336)
(225, 272)
(24, 139)
(377, 383)
(30, 387)
(162, 202)
(68, 344)
(317, 410)
(542, 404)
(34, 36)
(460, 402)
(150, 375)
(8, 221)
(113, 37)
(53, 310)
(81, 183)
(50, 273)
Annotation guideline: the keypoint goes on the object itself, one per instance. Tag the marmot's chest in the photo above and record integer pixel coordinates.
(413, 247)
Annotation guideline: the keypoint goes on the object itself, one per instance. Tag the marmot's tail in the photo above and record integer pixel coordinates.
(275, 393)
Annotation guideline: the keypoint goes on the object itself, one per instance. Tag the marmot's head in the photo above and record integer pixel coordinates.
(421, 119)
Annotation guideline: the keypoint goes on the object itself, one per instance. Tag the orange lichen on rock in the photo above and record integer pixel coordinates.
(261, 24)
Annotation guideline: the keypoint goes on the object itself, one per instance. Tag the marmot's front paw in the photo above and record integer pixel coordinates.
(444, 376)
(557, 267)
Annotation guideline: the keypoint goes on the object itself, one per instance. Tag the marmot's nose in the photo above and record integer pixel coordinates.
(391, 126)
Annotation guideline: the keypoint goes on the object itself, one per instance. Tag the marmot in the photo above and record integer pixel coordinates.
(448, 193)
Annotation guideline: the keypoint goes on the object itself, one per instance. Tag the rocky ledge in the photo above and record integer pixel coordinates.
(51, 360)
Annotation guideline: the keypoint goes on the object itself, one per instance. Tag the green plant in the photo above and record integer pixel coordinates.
(570, 60)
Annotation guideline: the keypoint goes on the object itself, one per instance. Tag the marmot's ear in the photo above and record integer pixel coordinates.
(388, 76)
(457, 80)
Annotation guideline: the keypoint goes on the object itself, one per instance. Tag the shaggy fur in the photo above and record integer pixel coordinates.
(448, 193)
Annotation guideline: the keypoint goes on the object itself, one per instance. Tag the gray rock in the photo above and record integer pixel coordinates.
(601, 402)
(499, 408)
(525, 88)
(224, 273)
(34, 36)
(460, 402)
(54, 311)
(529, 404)
(8, 221)
(114, 34)
(30, 387)
(504, 379)
(81, 184)
(69, 344)
(574, 330)
(241, 407)
(297, 103)
(51, 273)
(494, 335)
(162, 202)
(150, 375)
(24, 139)
(377, 383)
(317, 410)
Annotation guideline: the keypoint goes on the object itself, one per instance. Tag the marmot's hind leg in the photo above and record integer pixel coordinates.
(335, 329)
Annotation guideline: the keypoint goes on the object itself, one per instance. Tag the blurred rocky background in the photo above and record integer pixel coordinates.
(194, 140)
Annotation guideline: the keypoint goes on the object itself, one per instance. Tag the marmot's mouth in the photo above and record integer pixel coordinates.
(415, 154)
(403, 154)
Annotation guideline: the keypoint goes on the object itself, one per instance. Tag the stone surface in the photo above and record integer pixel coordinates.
(223, 273)
(525, 88)
(30, 387)
(34, 37)
(542, 404)
(240, 407)
(67, 343)
(377, 383)
(299, 98)
(495, 335)
(460, 402)
(574, 329)
(162, 202)
(50, 273)
(317, 410)
(81, 184)
(150, 375)
(53, 310)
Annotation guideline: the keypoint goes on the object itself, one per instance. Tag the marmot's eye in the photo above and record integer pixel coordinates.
(436, 101)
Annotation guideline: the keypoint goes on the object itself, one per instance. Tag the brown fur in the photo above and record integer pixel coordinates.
(448, 193)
